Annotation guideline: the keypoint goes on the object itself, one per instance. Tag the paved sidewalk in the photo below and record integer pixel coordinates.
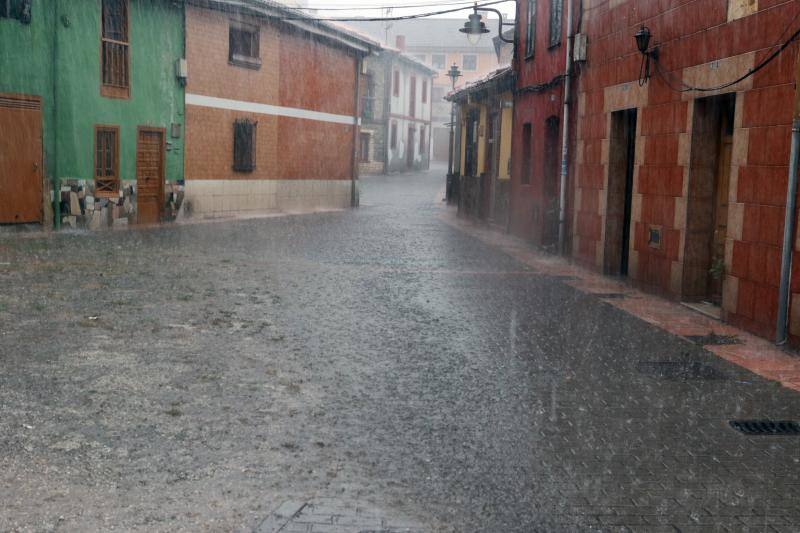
(753, 353)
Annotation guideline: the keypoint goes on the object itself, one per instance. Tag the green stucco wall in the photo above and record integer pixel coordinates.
(156, 97)
(26, 66)
(57, 57)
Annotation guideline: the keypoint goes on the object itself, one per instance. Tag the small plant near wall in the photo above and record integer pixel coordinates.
(717, 269)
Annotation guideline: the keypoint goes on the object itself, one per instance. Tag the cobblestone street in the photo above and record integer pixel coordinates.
(360, 371)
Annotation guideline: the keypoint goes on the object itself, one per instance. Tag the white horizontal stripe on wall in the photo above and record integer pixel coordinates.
(266, 109)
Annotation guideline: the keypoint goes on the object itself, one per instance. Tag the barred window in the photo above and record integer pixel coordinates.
(244, 145)
(106, 160)
(530, 34)
(115, 49)
(556, 8)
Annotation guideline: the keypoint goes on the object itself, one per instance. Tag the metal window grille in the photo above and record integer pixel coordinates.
(244, 145)
(556, 9)
(106, 174)
(115, 43)
(530, 35)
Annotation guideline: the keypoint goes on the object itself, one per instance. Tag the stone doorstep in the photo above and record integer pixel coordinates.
(753, 353)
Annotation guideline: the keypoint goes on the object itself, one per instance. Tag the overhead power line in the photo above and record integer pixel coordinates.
(397, 17)
(374, 7)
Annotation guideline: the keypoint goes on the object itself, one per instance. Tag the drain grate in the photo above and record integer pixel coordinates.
(714, 339)
(609, 295)
(679, 370)
(766, 427)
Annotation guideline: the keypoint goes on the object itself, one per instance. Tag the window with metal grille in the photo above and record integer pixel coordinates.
(243, 45)
(244, 145)
(368, 100)
(115, 49)
(364, 147)
(106, 160)
(556, 8)
(530, 34)
(438, 61)
(424, 91)
(396, 83)
(393, 136)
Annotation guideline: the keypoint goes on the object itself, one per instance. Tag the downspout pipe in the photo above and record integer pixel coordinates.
(56, 181)
(356, 128)
(562, 200)
(781, 332)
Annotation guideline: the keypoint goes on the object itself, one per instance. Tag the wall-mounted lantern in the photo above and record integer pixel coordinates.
(643, 45)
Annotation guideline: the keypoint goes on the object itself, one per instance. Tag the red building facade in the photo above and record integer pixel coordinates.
(681, 180)
(538, 120)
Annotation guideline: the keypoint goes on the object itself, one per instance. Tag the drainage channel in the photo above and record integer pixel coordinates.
(767, 427)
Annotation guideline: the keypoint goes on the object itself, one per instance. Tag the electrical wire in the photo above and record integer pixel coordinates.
(372, 7)
(764, 62)
(398, 17)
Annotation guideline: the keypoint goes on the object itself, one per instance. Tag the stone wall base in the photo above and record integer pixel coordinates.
(223, 198)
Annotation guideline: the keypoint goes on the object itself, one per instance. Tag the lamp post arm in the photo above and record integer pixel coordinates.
(501, 23)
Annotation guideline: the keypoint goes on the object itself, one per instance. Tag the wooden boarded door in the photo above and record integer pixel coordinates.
(20, 159)
(149, 174)
(721, 191)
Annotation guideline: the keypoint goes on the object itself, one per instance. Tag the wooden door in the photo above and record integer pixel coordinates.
(410, 148)
(149, 175)
(20, 159)
(721, 190)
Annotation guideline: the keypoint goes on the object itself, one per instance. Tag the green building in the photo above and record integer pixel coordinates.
(91, 111)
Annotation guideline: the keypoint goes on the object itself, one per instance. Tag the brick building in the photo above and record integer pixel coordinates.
(538, 116)
(684, 190)
(271, 109)
(484, 132)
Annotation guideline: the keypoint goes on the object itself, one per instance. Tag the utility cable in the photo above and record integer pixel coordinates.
(372, 7)
(398, 17)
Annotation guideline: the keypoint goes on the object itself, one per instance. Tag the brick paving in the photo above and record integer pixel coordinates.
(377, 358)
(753, 353)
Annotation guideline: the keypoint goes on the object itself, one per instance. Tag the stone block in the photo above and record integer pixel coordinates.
(96, 221)
(74, 204)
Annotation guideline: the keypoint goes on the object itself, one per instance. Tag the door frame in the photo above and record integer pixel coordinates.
(163, 132)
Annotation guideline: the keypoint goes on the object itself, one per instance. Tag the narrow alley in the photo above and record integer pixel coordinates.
(197, 377)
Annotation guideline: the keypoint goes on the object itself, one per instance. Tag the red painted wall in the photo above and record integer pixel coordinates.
(691, 34)
(528, 202)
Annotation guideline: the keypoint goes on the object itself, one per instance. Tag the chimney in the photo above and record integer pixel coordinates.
(400, 42)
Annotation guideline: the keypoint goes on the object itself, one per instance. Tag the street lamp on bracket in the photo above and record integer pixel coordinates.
(453, 74)
(474, 27)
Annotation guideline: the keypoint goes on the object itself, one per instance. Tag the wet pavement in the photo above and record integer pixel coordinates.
(379, 362)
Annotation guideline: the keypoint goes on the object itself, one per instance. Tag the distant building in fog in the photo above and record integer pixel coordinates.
(436, 42)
